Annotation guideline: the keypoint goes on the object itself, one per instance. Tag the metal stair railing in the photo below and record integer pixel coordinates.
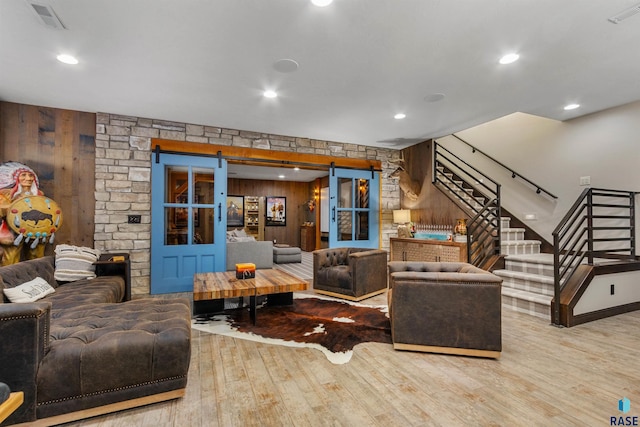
(483, 233)
(597, 220)
(466, 186)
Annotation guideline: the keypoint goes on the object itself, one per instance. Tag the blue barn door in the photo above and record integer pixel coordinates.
(354, 208)
(188, 220)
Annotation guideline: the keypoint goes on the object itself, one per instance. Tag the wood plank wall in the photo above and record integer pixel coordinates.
(432, 206)
(59, 145)
(297, 194)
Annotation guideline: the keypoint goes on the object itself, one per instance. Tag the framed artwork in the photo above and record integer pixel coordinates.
(235, 211)
(276, 211)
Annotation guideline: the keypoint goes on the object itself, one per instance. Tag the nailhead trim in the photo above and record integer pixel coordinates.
(109, 391)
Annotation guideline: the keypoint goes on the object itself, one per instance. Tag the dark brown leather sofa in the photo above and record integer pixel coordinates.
(81, 351)
(350, 273)
(445, 307)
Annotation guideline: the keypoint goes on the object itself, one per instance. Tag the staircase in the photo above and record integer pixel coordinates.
(599, 229)
(527, 285)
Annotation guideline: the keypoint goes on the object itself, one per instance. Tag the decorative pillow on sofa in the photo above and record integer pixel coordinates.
(239, 236)
(75, 263)
(29, 291)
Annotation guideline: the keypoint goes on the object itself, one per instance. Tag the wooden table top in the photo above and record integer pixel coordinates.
(223, 284)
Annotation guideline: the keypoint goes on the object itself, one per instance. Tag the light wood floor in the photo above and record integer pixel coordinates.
(545, 377)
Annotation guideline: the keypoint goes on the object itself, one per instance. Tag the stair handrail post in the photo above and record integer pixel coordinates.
(590, 227)
(556, 279)
(632, 223)
(434, 152)
(499, 217)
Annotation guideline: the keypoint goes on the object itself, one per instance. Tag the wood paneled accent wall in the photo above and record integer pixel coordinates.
(432, 206)
(59, 145)
(297, 194)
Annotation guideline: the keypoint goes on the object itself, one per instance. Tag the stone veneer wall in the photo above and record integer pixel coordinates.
(123, 178)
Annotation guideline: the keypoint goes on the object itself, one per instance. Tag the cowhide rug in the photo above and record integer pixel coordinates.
(331, 326)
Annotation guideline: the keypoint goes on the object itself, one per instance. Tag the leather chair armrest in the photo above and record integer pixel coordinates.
(24, 329)
(368, 269)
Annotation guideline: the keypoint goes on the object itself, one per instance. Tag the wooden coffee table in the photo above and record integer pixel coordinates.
(210, 289)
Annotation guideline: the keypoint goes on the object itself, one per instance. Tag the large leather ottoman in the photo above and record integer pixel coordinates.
(286, 254)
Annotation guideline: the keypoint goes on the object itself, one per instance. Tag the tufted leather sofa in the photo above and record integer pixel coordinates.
(445, 307)
(350, 273)
(81, 351)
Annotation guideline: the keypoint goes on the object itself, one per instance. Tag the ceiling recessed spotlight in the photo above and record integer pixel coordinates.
(270, 94)
(571, 107)
(399, 116)
(510, 58)
(281, 176)
(296, 169)
(67, 59)
(321, 3)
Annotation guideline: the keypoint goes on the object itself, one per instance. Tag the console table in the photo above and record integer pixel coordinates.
(116, 264)
(427, 250)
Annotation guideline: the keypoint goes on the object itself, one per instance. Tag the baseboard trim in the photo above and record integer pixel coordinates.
(106, 409)
(349, 297)
(448, 350)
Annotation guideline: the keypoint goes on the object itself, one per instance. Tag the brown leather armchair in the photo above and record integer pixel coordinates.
(350, 273)
(445, 307)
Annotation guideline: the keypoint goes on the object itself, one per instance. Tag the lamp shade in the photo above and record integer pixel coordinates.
(401, 216)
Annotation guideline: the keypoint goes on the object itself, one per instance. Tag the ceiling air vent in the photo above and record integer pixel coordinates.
(46, 14)
(627, 13)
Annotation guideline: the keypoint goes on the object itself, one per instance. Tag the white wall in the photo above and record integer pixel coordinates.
(598, 295)
(554, 155)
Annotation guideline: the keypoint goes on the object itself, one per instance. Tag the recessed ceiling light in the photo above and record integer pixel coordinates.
(321, 3)
(67, 59)
(296, 168)
(571, 107)
(509, 58)
(281, 176)
(399, 116)
(270, 94)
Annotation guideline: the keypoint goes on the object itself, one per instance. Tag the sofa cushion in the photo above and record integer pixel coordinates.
(30, 291)
(75, 263)
(102, 289)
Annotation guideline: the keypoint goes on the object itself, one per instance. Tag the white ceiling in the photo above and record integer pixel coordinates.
(360, 62)
(241, 171)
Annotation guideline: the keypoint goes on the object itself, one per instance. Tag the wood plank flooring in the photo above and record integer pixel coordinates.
(545, 376)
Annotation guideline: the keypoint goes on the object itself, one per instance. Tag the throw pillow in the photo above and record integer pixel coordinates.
(75, 263)
(29, 291)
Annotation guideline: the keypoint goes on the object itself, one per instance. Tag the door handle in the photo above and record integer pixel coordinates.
(334, 214)
(219, 212)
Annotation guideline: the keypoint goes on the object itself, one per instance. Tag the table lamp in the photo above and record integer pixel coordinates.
(402, 217)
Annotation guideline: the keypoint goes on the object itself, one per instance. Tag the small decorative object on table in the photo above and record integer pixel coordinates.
(245, 271)
(461, 226)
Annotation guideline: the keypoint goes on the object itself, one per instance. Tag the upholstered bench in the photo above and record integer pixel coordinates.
(286, 254)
